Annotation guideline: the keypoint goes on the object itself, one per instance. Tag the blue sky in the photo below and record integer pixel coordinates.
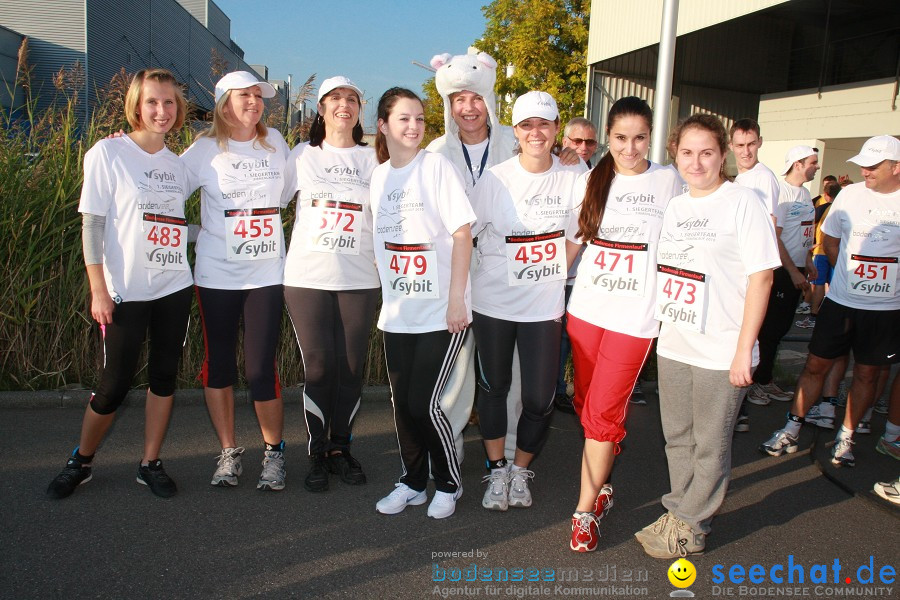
(372, 43)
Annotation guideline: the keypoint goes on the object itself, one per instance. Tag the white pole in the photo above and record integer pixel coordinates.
(664, 68)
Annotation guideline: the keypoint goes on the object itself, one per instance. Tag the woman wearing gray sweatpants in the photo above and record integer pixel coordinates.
(715, 258)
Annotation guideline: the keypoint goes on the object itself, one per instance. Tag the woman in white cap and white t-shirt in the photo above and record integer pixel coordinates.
(239, 166)
(331, 285)
(524, 210)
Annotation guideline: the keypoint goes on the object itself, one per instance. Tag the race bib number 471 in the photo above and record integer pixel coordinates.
(412, 270)
(253, 233)
(618, 268)
(165, 242)
(533, 259)
(680, 297)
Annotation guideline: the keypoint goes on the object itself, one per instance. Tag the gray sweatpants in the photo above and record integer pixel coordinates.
(698, 409)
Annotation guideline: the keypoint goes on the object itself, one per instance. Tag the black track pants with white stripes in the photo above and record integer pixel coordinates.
(418, 367)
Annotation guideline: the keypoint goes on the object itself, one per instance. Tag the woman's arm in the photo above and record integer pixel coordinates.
(92, 234)
(457, 315)
(754, 310)
(572, 250)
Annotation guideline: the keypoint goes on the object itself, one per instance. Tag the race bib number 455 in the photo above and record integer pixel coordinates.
(165, 242)
(680, 297)
(533, 259)
(412, 270)
(253, 233)
(872, 276)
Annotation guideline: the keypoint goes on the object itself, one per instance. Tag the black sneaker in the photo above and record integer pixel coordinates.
(317, 478)
(347, 467)
(69, 478)
(155, 477)
(563, 402)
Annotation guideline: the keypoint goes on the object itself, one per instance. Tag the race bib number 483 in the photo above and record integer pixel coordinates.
(253, 233)
(680, 297)
(335, 227)
(537, 258)
(618, 268)
(412, 270)
(872, 276)
(165, 242)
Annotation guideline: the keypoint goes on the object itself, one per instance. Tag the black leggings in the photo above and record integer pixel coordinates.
(221, 312)
(538, 344)
(779, 317)
(332, 329)
(166, 319)
(419, 365)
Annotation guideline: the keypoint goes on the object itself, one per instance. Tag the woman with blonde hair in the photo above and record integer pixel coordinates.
(239, 166)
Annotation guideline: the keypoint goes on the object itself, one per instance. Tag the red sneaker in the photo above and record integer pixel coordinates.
(604, 501)
(584, 532)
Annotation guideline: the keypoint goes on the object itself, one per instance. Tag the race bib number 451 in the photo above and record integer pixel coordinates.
(680, 297)
(872, 276)
(537, 258)
(253, 233)
(335, 227)
(165, 242)
(412, 270)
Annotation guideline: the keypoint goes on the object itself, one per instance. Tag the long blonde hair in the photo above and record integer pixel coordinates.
(220, 129)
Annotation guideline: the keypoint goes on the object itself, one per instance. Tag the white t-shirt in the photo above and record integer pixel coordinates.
(868, 225)
(331, 244)
(796, 216)
(616, 282)
(478, 159)
(713, 244)
(142, 197)
(761, 180)
(417, 210)
(241, 243)
(514, 277)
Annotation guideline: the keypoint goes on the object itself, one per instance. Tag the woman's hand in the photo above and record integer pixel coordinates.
(457, 317)
(740, 374)
(102, 307)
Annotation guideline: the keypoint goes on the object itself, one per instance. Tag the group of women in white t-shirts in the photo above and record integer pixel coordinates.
(685, 248)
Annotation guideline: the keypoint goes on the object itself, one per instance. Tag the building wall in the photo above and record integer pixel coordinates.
(9, 60)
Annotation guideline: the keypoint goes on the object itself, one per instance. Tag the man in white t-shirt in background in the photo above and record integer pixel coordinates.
(794, 215)
(861, 311)
(581, 136)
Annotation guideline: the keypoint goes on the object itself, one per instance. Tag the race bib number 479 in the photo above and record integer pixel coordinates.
(537, 258)
(680, 297)
(165, 242)
(412, 270)
(253, 233)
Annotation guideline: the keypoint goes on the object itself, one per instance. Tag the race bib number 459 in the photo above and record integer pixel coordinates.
(872, 276)
(412, 270)
(537, 258)
(253, 233)
(680, 297)
(335, 227)
(165, 242)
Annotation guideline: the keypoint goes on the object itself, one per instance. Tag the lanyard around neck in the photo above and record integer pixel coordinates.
(483, 160)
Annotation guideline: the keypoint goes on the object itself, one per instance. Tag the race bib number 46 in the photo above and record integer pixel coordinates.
(335, 227)
(412, 270)
(253, 233)
(538, 258)
(618, 268)
(808, 233)
(680, 297)
(165, 242)
(873, 276)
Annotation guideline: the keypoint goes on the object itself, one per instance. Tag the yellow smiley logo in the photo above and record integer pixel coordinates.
(682, 573)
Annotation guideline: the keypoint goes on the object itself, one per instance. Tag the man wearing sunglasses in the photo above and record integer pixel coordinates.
(581, 136)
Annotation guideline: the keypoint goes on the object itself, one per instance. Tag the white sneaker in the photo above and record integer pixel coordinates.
(400, 498)
(803, 308)
(228, 468)
(444, 504)
(842, 453)
(890, 491)
(821, 415)
(519, 494)
(756, 395)
(496, 496)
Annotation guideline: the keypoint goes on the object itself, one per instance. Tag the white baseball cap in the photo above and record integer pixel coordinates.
(339, 81)
(239, 80)
(534, 104)
(797, 153)
(877, 149)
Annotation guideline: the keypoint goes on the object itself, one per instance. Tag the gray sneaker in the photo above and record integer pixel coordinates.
(496, 496)
(272, 476)
(519, 494)
(670, 537)
(229, 468)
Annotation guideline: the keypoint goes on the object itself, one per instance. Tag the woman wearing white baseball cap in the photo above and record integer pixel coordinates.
(524, 211)
(239, 166)
(330, 281)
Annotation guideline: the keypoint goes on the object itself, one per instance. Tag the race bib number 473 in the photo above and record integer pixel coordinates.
(537, 258)
(412, 270)
(253, 233)
(165, 242)
(680, 297)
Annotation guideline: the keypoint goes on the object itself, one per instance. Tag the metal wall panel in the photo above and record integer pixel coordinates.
(10, 41)
(218, 23)
(197, 8)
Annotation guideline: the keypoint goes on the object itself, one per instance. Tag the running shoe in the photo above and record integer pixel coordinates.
(496, 496)
(806, 323)
(272, 475)
(742, 425)
(890, 491)
(881, 407)
(400, 498)
(780, 443)
(604, 501)
(842, 453)
(346, 467)
(585, 534)
(776, 393)
(443, 504)
(156, 478)
(229, 468)
(73, 475)
(864, 427)
(756, 395)
(821, 415)
(519, 494)
(803, 308)
(655, 528)
(887, 448)
(637, 394)
(317, 477)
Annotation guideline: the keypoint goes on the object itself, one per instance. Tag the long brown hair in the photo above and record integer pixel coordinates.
(704, 122)
(600, 180)
(385, 105)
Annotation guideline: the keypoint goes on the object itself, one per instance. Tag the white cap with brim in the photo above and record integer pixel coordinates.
(239, 80)
(877, 149)
(797, 153)
(333, 83)
(534, 104)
